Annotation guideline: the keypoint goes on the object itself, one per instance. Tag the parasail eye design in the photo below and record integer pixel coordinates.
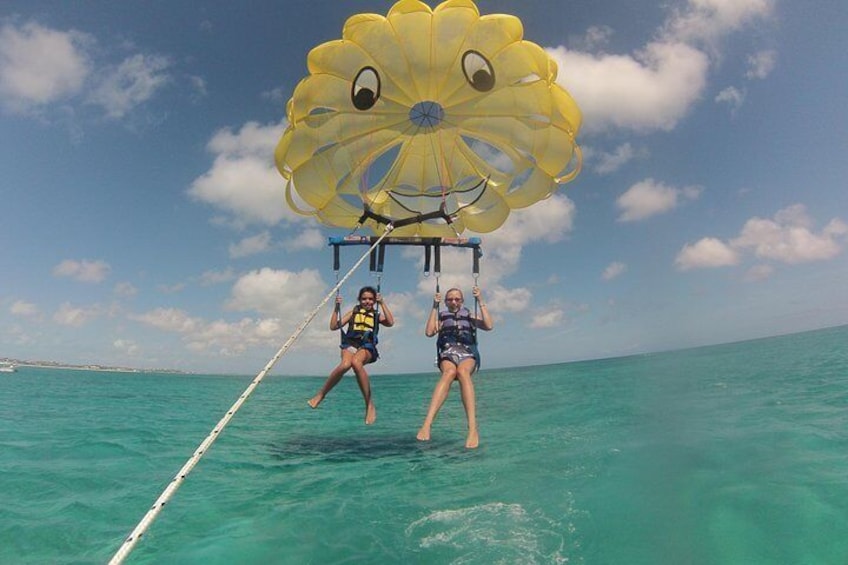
(366, 89)
(478, 71)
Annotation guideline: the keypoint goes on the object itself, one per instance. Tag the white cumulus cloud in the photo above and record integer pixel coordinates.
(69, 315)
(709, 20)
(39, 65)
(607, 163)
(651, 89)
(133, 82)
(731, 96)
(24, 309)
(230, 338)
(788, 237)
(125, 290)
(209, 278)
(761, 64)
(251, 245)
(168, 319)
(649, 198)
(707, 252)
(614, 270)
(502, 300)
(655, 86)
(548, 319)
(243, 181)
(758, 273)
(126, 346)
(309, 238)
(272, 292)
(83, 271)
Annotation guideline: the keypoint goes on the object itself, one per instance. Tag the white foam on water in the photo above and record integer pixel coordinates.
(495, 532)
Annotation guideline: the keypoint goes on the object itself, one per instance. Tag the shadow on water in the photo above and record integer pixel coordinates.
(361, 448)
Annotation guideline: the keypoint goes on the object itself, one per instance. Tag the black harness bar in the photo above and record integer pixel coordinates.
(432, 248)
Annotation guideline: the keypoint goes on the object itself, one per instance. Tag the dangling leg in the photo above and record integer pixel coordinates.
(469, 400)
(358, 363)
(440, 394)
(334, 378)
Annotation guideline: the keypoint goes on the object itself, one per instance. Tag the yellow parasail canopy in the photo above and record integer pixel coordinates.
(436, 120)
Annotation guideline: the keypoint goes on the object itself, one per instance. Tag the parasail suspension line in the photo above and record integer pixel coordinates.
(475, 272)
(338, 307)
(378, 257)
(176, 482)
(437, 264)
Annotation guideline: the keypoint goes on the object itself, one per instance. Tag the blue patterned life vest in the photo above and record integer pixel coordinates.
(456, 328)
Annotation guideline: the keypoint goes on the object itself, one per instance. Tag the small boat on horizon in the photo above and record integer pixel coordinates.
(7, 368)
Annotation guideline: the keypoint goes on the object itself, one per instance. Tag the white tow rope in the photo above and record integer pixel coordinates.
(138, 532)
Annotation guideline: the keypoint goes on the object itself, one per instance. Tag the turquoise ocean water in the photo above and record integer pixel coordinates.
(719, 455)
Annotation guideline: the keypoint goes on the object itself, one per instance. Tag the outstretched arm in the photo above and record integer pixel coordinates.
(432, 326)
(386, 317)
(335, 322)
(484, 322)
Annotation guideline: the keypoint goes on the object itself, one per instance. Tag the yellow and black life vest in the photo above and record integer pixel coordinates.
(362, 327)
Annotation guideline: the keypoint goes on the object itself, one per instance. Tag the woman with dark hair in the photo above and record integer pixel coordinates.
(358, 345)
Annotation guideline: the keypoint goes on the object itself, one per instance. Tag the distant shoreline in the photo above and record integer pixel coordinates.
(102, 368)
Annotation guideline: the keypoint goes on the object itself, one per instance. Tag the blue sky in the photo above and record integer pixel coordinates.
(144, 222)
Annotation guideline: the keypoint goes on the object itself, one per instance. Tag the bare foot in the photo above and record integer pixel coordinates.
(423, 434)
(315, 400)
(473, 440)
(370, 414)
